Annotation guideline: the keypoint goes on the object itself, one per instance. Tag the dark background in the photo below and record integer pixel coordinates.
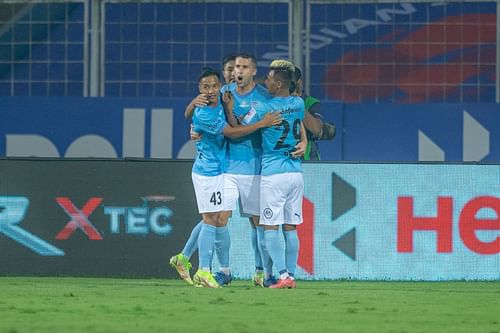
(120, 183)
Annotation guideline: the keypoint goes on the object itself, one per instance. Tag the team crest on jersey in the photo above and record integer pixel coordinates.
(268, 213)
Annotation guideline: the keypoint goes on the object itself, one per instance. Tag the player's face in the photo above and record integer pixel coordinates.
(244, 71)
(272, 84)
(210, 87)
(228, 71)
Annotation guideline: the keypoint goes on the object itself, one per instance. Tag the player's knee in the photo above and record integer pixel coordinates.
(254, 221)
(211, 219)
(271, 227)
(222, 221)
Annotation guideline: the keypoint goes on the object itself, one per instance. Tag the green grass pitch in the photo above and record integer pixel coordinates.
(36, 304)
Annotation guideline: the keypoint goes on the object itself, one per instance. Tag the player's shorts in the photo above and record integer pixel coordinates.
(209, 192)
(245, 187)
(281, 198)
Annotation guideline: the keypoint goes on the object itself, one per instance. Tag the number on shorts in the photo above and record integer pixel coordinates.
(216, 198)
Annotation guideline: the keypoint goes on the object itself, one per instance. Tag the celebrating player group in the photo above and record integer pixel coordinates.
(249, 144)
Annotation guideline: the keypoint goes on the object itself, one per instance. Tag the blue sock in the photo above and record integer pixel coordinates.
(223, 243)
(266, 260)
(206, 242)
(192, 242)
(275, 250)
(291, 250)
(255, 246)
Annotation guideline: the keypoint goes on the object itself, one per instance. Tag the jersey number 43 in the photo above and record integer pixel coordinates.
(216, 198)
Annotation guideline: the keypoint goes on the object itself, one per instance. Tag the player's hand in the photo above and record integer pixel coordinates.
(300, 149)
(201, 100)
(272, 119)
(195, 136)
(228, 100)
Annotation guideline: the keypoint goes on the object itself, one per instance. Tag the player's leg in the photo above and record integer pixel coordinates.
(277, 254)
(249, 189)
(206, 242)
(223, 240)
(291, 248)
(209, 197)
(293, 217)
(264, 278)
(272, 201)
(180, 262)
(192, 243)
(258, 277)
(223, 244)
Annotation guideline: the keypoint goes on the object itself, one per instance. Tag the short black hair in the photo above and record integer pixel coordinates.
(283, 75)
(229, 57)
(208, 71)
(247, 56)
(297, 75)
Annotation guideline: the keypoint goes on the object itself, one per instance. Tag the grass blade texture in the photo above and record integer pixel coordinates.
(29, 304)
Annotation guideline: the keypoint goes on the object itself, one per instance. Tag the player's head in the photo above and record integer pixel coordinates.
(228, 67)
(280, 77)
(296, 84)
(209, 84)
(245, 68)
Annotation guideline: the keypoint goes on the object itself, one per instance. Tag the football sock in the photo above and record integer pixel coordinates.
(192, 242)
(267, 264)
(255, 246)
(291, 250)
(275, 250)
(223, 243)
(205, 245)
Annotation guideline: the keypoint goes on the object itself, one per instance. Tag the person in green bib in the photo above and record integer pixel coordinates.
(316, 127)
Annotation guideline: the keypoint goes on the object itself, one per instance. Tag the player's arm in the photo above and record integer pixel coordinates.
(313, 121)
(300, 148)
(195, 136)
(200, 100)
(270, 119)
(228, 102)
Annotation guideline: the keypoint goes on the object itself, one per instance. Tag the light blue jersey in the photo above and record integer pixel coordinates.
(244, 154)
(278, 142)
(211, 148)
